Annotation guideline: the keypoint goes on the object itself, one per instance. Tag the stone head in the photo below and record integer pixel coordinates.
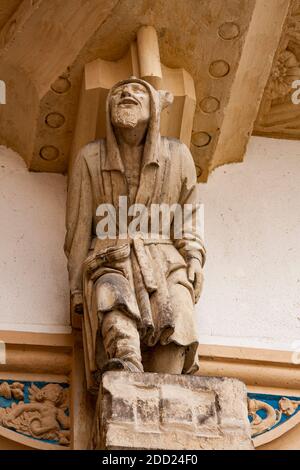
(51, 392)
(130, 105)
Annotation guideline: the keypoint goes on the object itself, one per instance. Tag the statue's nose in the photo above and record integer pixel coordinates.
(125, 93)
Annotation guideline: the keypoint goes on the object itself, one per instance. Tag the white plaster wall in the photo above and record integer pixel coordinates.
(251, 295)
(33, 275)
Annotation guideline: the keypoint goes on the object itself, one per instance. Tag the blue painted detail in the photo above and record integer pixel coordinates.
(273, 400)
(4, 403)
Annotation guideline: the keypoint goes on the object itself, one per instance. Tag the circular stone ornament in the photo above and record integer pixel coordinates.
(210, 104)
(61, 85)
(229, 31)
(49, 153)
(201, 139)
(55, 120)
(219, 68)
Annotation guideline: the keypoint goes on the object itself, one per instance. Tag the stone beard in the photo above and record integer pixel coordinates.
(124, 117)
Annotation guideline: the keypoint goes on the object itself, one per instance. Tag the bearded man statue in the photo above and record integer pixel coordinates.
(137, 293)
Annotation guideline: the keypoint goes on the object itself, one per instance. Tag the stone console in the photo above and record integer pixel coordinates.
(162, 411)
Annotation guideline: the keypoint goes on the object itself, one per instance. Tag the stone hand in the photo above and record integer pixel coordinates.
(195, 275)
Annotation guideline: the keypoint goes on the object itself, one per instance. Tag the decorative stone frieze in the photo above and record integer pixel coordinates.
(37, 410)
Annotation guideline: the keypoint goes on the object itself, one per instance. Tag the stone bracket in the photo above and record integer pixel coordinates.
(162, 411)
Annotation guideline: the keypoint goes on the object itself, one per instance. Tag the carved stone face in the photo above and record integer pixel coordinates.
(130, 105)
(53, 393)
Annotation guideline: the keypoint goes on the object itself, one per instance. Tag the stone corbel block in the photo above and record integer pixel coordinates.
(162, 411)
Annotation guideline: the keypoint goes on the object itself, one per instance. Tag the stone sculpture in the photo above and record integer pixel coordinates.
(137, 290)
(43, 417)
(269, 417)
(15, 390)
(171, 412)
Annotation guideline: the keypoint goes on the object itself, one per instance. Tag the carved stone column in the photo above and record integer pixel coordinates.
(162, 411)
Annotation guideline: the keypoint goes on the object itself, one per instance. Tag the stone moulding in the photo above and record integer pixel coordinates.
(271, 377)
(28, 442)
(36, 355)
(256, 367)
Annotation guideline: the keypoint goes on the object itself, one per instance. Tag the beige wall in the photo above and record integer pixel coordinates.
(252, 230)
(33, 279)
(252, 233)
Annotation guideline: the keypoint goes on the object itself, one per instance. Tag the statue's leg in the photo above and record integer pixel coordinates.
(174, 357)
(168, 359)
(121, 342)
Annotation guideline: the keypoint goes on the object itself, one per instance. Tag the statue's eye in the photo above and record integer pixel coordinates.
(116, 92)
(138, 89)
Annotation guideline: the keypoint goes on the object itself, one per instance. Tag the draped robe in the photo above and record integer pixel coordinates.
(164, 310)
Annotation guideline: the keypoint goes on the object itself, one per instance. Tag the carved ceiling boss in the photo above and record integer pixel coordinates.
(137, 294)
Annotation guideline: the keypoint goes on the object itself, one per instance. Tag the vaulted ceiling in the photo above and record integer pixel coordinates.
(231, 48)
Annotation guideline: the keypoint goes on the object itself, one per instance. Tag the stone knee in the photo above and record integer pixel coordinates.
(167, 359)
(121, 338)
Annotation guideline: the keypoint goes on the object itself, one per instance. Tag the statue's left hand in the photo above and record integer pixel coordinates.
(195, 275)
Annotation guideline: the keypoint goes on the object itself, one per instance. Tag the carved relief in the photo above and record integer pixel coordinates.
(44, 415)
(267, 414)
(15, 390)
(288, 407)
(279, 116)
(285, 71)
(258, 424)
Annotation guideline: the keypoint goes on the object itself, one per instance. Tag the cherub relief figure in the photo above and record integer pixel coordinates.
(138, 293)
(43, 418)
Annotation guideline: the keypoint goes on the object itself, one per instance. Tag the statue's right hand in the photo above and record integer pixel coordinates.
(77, 303)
